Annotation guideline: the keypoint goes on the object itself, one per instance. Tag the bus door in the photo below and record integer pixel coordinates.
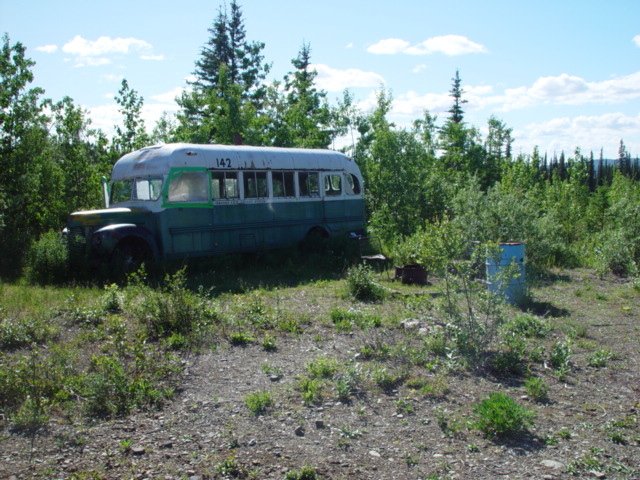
(187, 212)
(310, 208)
(334, 204)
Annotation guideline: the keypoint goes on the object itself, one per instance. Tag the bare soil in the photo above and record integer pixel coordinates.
(588, 429)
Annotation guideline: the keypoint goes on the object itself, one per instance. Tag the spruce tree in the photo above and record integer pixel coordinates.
(307, 112)
(456, 92)
(228, 45)
(226, 102)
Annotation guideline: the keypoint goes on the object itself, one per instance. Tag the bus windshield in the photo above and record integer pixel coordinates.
(136, 189)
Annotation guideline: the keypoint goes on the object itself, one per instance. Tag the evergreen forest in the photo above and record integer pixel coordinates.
(428, 185)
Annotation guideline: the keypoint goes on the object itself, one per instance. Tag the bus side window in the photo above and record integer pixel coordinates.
(225, 185)
(332, 185)
(352, 184)
(189, 187)
(309, 184)
(255, 185)
(282, 183)
(147, 188)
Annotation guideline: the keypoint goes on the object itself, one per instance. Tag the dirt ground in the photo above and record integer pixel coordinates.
(588, 429)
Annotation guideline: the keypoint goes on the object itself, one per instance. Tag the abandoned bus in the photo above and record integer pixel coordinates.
(183, 200)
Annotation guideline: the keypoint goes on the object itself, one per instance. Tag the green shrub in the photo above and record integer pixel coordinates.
(347, 383)
(240, 338)
(258, 402)
(559, 355)
(528, 325)
(269, 343)
(322, 367)
(615, 254)
(537, 389)
(600, 358)
(112, 299)
(510, 357)
(361, 285)
(310, 389)
(346, 319)
(500, 416)
(174, 309)
(47, 260)
(115, 386)
(306, 473)
(22, 331)
(386, 379)
(257, 313)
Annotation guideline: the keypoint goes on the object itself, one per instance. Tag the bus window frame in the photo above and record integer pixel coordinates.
(226, 198)
(289, 192)
(330, 190)
(306, 174)
(257, 197)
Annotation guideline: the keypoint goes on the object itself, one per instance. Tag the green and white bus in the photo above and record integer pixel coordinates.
(183, 200)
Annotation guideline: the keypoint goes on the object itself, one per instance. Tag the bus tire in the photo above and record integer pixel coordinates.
(129, 256)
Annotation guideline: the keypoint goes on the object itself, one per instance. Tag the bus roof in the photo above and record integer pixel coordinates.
(158, 160)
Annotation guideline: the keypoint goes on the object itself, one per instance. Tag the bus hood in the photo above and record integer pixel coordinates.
(106, 216)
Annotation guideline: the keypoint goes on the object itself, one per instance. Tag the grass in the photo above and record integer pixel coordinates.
(104, 352)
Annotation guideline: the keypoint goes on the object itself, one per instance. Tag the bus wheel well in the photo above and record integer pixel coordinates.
(130, 254)
(317, 232)
(315, 241)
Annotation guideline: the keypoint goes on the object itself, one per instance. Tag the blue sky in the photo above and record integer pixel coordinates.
(560, 73)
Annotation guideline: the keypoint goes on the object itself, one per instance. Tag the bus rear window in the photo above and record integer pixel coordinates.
(352, 184)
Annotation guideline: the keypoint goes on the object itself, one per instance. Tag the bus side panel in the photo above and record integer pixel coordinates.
(227, 227)
(188, 231)
(344, 215)
(292, 221)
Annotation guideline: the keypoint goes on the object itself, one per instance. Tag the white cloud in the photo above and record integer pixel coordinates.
(97, 52)
(450, 45)
(447, 44)
(47, 48)
(413, 105)
(570, 90)
(103, 46)
(389, 46)
(104, 117)
(636, 40)
(590, 133)
(152, 112)
(92, 61)
(419, 68)
(558, 87)
(169, 97)
(152, 57)
(334, 80)
(113, 78)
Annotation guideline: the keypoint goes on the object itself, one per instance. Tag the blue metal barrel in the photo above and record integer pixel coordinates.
(514, 289)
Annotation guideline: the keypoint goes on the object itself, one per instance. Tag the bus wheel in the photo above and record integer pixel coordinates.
(128, 257)
(315, 241)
